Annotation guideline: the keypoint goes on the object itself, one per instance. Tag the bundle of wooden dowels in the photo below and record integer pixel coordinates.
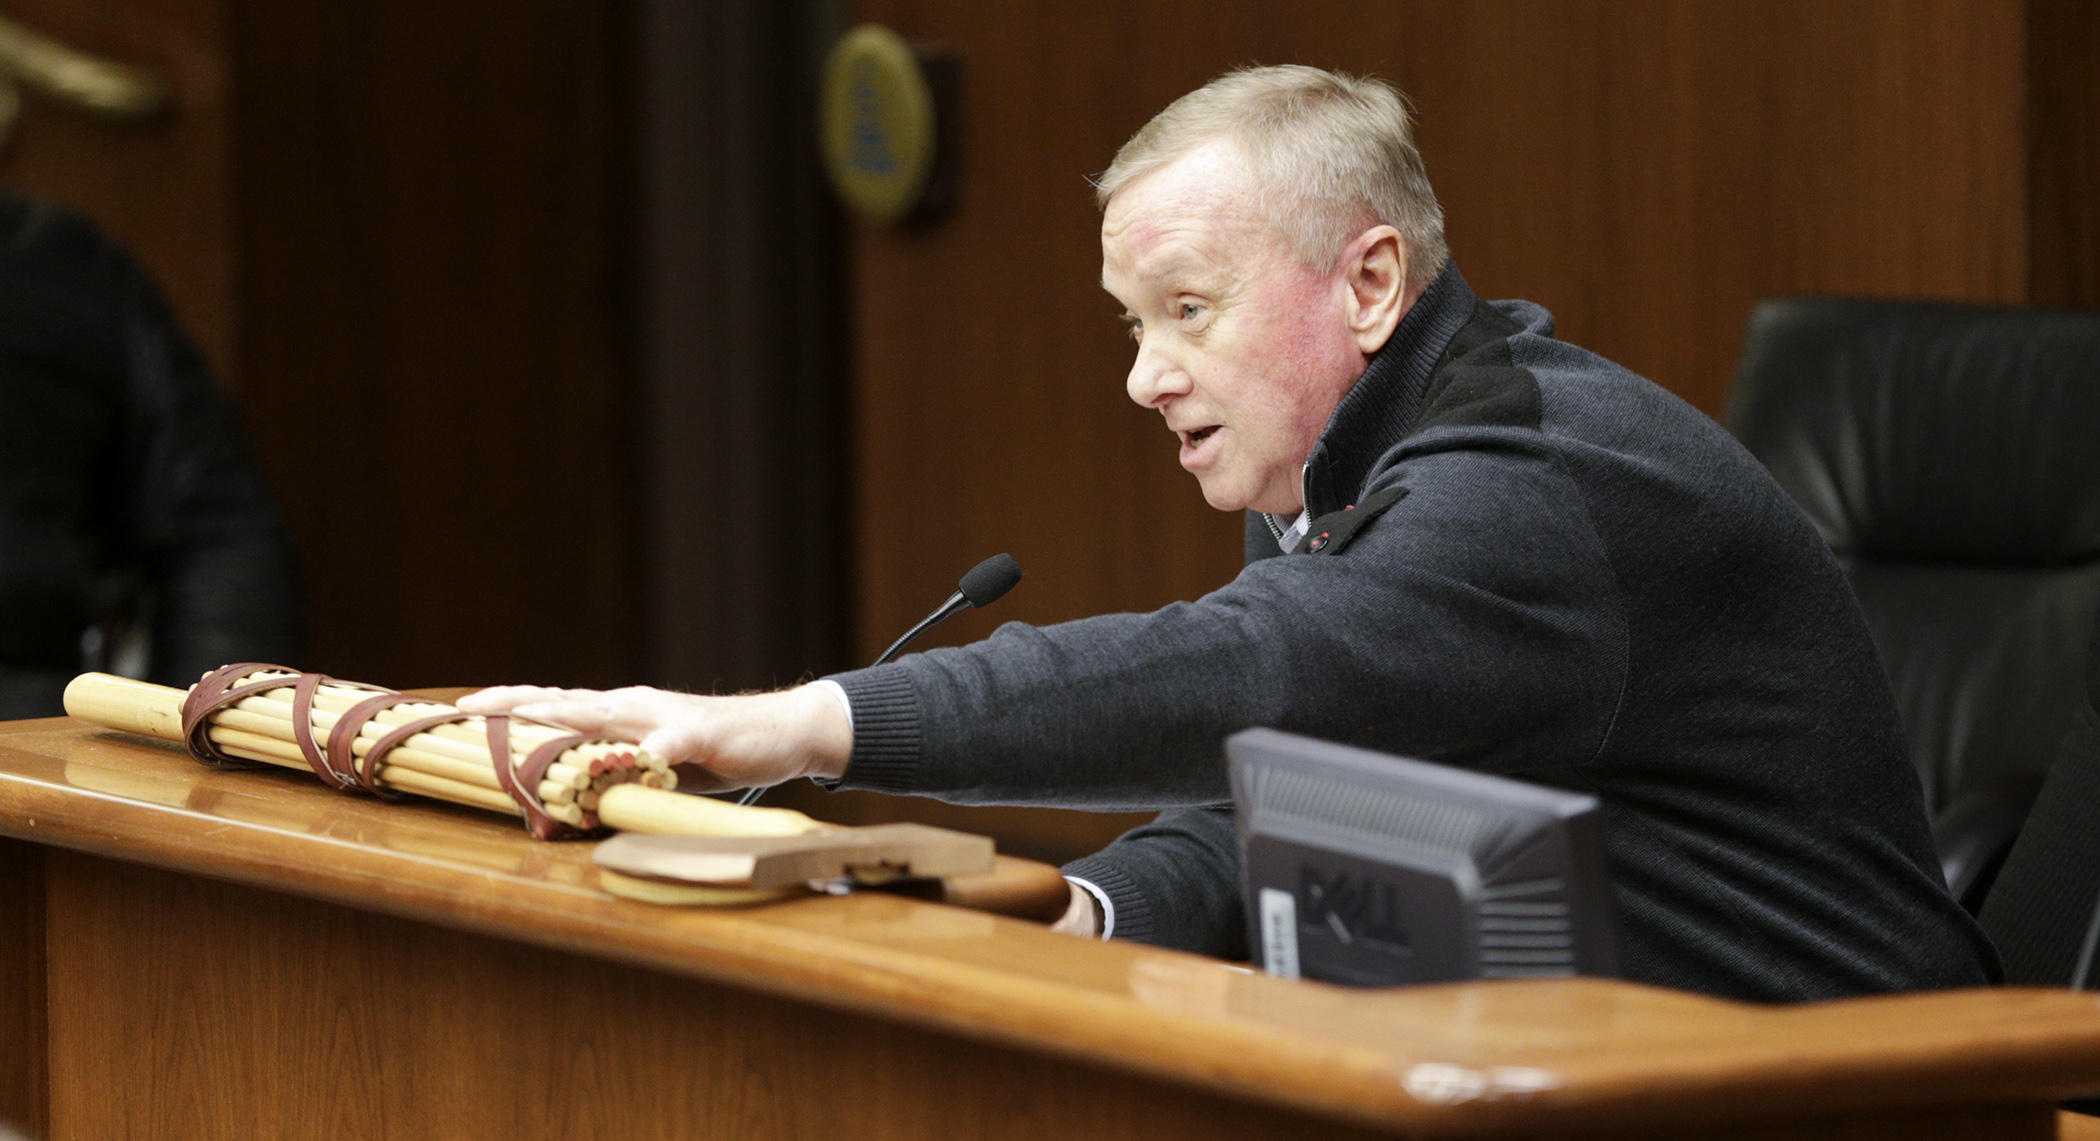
(363, 738)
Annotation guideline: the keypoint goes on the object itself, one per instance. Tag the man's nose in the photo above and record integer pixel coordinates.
(1154, 379)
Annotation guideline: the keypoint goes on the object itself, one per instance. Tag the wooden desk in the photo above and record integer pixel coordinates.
(208, 954)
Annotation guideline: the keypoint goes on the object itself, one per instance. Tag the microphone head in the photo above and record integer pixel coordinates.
(990, 579)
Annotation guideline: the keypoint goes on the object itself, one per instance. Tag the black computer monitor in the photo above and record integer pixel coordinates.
(1374, 870)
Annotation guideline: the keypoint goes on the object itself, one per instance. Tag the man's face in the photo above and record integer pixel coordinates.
(1243, 349)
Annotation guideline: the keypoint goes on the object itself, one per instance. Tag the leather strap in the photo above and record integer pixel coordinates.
(534, 766)
(215, 692)
(303, 734)
(522, 781)
(337, 763)
(342, 753)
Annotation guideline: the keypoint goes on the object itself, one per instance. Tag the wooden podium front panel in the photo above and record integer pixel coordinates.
(188, 1008)
(22, 1054)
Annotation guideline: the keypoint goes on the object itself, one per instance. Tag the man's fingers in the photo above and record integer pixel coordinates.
(692, 742)
(505, 698)
(582, 716)
(693, 778)
(679, 742)
(680, 728)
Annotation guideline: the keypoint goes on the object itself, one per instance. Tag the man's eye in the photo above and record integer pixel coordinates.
(1135, 329)
(1189, 311)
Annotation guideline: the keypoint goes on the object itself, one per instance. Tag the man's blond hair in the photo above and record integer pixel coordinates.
(1331, 156)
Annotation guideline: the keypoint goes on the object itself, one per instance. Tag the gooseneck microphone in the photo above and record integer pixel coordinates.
(986, 583)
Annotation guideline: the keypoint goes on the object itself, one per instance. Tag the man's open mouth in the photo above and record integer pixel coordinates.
(1196, 436)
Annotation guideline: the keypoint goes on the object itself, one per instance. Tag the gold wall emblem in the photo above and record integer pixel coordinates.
(879, 127)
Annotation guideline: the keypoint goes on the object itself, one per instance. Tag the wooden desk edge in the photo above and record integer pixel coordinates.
(1282, 1066)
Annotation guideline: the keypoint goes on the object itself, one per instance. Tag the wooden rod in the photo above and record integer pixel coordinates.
(255, 746)
(633, 808)
(474, 772)
(409, 780)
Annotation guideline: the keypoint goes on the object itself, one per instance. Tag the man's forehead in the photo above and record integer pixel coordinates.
(1184, 216)
(1210, 182)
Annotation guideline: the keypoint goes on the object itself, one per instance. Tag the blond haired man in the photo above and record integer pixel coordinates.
(1467, 542)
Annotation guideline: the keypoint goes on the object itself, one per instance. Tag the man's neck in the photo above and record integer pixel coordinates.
(1380, 408)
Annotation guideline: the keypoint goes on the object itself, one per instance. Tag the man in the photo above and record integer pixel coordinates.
(1505, 553)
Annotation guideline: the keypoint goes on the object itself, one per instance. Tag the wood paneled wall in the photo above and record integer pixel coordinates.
(405, 227)
(743, 364)
(1647, 169)
(432, 202)
(2063, 159)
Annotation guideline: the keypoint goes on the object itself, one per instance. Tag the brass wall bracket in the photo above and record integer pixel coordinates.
(98, 88)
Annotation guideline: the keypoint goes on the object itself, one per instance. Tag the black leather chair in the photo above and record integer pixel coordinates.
(2044, 911)
(1950, 454)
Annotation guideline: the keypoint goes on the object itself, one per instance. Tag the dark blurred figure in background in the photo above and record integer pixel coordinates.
(135, 531)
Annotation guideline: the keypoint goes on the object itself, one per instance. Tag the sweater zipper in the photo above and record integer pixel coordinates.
(1304, 499)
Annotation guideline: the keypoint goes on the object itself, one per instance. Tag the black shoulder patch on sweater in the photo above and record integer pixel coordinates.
(1474, 383)
(1332, 532)
(1485, 327)
(1483, 395)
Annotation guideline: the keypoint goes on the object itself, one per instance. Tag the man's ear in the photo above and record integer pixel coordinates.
(1375, 273)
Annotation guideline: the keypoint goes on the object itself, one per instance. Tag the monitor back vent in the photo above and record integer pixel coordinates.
(1525, 930)
(1374, 813)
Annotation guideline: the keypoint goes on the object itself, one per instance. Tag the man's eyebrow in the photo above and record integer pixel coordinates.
(1180, 271)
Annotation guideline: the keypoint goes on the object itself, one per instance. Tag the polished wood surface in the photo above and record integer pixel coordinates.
(1056, 835)
(186, 977)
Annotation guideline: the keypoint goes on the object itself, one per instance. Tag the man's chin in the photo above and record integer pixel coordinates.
(1223, 498)
(1228, 495)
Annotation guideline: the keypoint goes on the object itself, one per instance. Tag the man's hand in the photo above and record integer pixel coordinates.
(1082, 916)
(724, 742)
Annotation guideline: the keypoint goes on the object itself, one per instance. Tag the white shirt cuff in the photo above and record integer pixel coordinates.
(1108, 908)
(838, 691)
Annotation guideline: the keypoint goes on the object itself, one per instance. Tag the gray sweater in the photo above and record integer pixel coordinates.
(1586, 584)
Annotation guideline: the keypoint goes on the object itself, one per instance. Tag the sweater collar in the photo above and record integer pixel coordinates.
(1382, 407)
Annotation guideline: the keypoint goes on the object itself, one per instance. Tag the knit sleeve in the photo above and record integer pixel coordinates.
(1175, 882)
